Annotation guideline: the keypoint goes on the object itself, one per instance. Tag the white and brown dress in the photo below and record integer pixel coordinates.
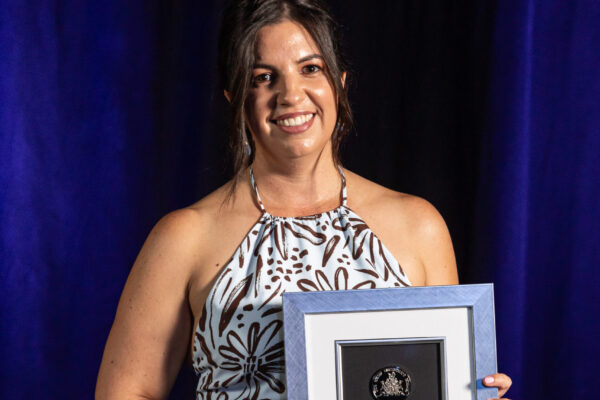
(238, 343)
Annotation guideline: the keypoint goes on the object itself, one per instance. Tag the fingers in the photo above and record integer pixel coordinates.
(501, 381)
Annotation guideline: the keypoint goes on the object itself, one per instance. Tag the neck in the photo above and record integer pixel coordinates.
(298, 187)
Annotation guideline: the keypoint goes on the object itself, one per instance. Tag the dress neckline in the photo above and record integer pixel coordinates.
(342, 206)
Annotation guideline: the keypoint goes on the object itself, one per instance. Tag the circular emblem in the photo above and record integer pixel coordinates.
(390, 383)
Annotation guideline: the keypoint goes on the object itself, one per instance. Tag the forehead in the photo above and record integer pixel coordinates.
(284, 40)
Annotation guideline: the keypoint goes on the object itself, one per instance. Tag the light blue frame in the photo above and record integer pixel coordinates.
(478, 298)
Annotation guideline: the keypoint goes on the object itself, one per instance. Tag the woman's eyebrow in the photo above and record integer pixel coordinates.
(264, 66)
(303, 59)
(309, 57)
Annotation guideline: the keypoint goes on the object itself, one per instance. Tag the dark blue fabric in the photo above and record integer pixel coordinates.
(539, 196)
(75, 134)
(108, 120)
(89, 148)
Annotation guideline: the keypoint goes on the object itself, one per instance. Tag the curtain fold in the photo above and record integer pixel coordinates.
(538, 225)
(74, 136)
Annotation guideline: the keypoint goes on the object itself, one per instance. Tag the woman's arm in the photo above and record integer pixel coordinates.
(433, 244)
(440, 267)
(151, 331)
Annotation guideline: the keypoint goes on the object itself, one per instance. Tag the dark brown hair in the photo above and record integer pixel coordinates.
(242, 19)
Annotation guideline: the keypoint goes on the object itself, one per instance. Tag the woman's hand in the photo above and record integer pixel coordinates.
(500, 381)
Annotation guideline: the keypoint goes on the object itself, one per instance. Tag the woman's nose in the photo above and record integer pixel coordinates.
(290, 90)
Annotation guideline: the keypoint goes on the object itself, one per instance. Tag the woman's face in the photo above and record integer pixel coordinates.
(291, 107)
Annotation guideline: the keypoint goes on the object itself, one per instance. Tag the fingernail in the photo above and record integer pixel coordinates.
(489, 379)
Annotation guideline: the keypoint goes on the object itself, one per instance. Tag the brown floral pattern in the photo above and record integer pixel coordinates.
(238, 342)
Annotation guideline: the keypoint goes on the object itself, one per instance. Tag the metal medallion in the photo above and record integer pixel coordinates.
(390, 383)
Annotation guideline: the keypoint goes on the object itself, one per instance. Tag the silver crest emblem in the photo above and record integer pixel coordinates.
(390, 383)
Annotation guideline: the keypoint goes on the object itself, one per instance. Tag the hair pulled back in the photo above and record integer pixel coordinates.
(242, 19)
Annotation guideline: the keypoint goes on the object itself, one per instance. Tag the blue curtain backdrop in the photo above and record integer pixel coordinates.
(539, 195)
(110, 117)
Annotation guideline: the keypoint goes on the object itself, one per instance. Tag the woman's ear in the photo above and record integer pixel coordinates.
(344, 79)
(228, 95)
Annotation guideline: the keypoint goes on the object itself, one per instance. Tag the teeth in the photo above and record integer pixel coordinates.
(299, 120)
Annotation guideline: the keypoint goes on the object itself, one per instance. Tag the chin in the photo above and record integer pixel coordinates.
(308, 148)
(293, 146)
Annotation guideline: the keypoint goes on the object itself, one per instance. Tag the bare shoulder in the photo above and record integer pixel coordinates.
(409, 211)
(197, 228)
(182, 240)
(410, 226)
(182, 232)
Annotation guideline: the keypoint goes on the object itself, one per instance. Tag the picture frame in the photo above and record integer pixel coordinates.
(335, 340)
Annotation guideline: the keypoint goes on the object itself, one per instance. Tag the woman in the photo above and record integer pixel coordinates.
(292, 218)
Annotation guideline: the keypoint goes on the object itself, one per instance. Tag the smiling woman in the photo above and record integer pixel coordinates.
(240, 60)
(291, 107)
(209, 280)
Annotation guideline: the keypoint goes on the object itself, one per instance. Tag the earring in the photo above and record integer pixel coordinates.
(247, 146)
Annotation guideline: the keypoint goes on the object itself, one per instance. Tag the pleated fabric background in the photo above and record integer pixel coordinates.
(111, 116)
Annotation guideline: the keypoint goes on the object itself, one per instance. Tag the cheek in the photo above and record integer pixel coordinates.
(254, 111)
(325, 99)
(328, 107)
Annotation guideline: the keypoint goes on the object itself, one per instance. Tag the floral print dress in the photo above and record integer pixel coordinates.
(238, 342)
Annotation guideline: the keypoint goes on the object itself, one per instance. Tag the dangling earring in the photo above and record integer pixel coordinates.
(247, 144)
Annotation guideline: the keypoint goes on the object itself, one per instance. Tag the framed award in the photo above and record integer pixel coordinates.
(415, 343)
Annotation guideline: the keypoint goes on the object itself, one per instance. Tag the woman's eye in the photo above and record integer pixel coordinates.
(311, 69)
(263, 78)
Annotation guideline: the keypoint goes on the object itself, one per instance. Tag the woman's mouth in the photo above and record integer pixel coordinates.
(295, 124)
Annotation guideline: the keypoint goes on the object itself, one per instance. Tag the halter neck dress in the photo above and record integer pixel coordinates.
(238, 342)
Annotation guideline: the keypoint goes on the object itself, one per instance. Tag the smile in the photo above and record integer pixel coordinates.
(295, 124)
(297, 121)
